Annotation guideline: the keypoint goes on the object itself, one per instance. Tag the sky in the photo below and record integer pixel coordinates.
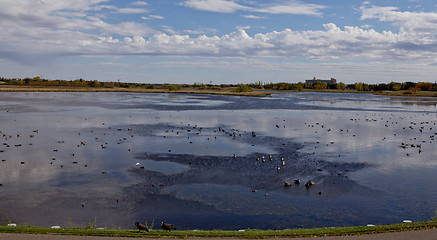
(219, 41)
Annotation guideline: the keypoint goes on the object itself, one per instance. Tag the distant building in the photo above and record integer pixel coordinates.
(315, 80)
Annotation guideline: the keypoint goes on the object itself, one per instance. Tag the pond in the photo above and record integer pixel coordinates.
(216, 162)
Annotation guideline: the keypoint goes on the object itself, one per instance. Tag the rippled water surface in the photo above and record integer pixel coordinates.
(216, 162)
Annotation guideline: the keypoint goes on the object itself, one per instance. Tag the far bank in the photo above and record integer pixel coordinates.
(207, 90)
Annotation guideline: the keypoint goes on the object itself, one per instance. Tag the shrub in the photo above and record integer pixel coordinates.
(243, 88)
(174, 87)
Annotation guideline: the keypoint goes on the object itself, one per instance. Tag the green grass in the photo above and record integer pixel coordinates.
(248, 233)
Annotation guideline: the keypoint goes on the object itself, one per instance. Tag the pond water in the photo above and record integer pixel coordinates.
(216, 162)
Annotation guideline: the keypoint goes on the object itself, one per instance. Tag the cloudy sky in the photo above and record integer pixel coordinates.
(219, 41)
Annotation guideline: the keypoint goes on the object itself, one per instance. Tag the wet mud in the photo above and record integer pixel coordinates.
(285, 172)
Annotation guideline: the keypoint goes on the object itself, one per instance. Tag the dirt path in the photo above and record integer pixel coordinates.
(422, 235)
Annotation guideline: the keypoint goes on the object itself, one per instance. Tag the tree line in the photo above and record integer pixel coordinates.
(360, 86)
(40, 82)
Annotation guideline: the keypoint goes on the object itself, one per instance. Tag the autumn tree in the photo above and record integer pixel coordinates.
(422, 86)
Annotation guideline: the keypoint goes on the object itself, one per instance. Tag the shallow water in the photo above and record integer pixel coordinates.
(197, 160)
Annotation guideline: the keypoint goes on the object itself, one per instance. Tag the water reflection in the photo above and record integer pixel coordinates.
(368, 101)
(216, 161)
(164, 167)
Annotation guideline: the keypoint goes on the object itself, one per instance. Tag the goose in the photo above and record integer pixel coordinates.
(309, 183)
(141, 227)
(167, 226)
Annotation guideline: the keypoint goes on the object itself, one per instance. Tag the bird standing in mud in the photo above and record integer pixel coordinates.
(167, 226)
(141, 227)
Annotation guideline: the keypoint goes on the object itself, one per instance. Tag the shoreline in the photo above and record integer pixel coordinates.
(224, 91)
(245, 233)
(11, 88)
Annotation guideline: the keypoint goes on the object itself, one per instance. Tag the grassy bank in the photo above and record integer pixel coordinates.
(248, 233)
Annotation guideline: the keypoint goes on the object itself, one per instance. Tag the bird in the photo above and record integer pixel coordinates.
(309, 183)
(141, 227)
(167, 226)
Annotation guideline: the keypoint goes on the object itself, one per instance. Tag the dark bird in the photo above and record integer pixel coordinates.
(141, 227)
(167, 226)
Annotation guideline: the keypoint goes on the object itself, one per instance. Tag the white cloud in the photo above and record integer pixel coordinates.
(131, 10)
(139, 3)
(231, 6)
(44, 29)
(223, 6)
(243, 27)
(253, 17)
(201, 31)
(169, 29)
(152, 17)
(333, 43)
(420, 25)
(366, 26)
(294, 7)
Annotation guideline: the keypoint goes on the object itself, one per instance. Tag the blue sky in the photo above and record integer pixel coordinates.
(219, 41)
